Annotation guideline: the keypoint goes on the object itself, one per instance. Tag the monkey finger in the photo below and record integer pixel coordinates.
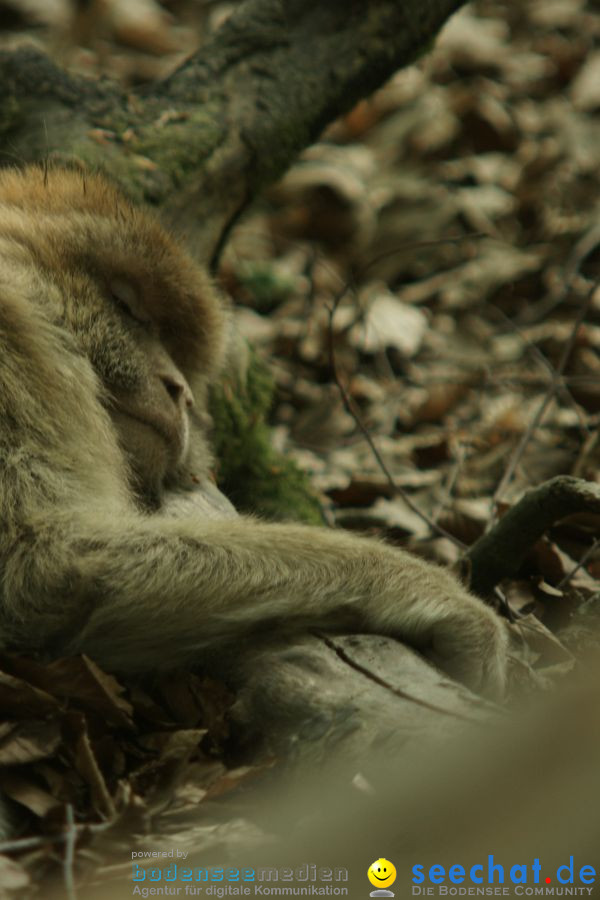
(473, 650)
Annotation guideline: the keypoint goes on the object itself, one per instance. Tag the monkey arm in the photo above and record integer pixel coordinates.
(161, 593)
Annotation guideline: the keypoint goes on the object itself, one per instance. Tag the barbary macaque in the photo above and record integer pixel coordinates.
(110, 336)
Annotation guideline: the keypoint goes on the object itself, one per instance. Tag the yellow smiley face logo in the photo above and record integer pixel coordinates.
(381, 873)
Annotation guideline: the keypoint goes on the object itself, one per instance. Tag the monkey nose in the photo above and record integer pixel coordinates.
(178, 390)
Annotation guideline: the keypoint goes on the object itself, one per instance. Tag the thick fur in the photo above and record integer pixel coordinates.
(108, 334)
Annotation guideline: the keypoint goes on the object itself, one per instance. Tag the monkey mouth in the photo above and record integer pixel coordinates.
(159, 428)
(171, 434)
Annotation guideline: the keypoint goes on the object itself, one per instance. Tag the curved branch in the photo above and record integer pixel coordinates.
(500, 553)
(233, 117)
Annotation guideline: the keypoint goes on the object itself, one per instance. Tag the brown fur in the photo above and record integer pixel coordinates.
(108, 334)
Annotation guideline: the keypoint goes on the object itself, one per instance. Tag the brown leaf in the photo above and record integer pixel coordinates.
(27, 741)
(23, 790)
(87, 766)
(79, 680)
(21, 700)
(12, 875)
(441, 398)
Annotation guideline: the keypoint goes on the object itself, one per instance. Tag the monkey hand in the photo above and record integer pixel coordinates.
(430, 609)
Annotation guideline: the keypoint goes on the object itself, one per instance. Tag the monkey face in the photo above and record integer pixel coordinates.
(137, 307)
(149, 400)
(145, 392)
(126, 325)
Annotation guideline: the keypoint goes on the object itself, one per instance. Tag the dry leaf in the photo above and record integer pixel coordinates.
(390, 323)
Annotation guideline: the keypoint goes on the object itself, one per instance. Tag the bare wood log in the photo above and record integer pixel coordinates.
(345, 697)
(231, 119)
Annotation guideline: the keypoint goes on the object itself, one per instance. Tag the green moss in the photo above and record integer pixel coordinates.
(267, 288)
(177, 147)
(250, 472)
(10, 115)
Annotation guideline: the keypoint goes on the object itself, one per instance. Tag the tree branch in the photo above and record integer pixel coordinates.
(500, 552)
(232, 118)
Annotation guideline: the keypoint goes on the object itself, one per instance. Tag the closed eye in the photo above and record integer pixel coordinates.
(124, 297)
(124, 308)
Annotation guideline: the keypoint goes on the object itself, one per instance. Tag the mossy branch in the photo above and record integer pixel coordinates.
(232, 118)
(500, 553)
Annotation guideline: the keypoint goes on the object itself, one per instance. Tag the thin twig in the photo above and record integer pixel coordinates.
(582, 249)
(421, 245)
(549, 396)
(70, 841)
(570, 575)
(585, 452)
(459, 459)
(563, 385)
(351, 408)
(41, 840)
